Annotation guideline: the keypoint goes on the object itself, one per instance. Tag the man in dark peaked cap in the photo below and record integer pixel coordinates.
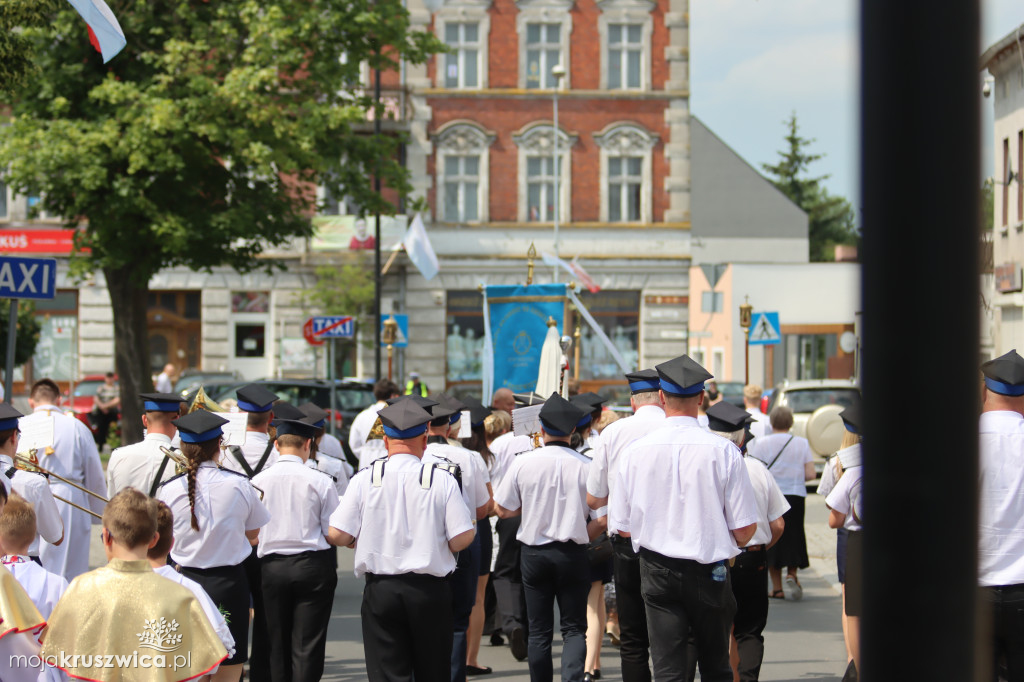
(1001, 530)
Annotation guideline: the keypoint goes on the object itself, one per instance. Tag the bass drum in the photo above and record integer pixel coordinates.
(824, 431)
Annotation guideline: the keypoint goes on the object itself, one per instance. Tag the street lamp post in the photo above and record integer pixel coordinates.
(746, 310)
(558, 72)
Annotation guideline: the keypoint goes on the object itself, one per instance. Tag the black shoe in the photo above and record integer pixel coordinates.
(517, 641)
(596, 674)
(587, 677)
(497, 639)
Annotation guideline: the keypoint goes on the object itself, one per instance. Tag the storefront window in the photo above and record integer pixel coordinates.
(58, 331)
(618, 314)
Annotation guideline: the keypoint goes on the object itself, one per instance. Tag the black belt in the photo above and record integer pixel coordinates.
(752, 548)
(404, 577)
(308, 554)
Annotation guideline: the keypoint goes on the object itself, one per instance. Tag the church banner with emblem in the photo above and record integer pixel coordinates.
(517, 317)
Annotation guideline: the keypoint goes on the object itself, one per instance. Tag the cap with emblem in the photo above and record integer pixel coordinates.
(255, 398)
(682, 376)
(199, 426)
(160, 402)
(851, 418)
(559, 417)
(404, 419)
(315, 415)
(477, 411)
(285, 410)
(727, 418)
(1005, 374)
(583, 403)
(425, 403)
(8, 417)
(644, 381)
(292, 427)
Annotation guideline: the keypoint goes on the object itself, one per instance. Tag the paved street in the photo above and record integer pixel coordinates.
(804, 640)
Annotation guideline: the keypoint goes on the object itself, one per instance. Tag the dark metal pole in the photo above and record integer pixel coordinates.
(920, 180)
(376, 233)
(12, 338)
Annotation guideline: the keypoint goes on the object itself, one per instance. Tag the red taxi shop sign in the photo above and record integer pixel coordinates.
(37, 241)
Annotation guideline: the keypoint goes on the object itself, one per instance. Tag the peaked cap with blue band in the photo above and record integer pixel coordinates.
(8, 417)
(255, 398)
(315, 415)
(1005, 374)
(583, 402)
(292, 427)
(478, 412)
(160, 402)
(404, 419)
(682, 376)
(448, 403)
(644, 381)
(559, 417)
(199, 426)
(851, 418)
(725, 417)
(285, 410)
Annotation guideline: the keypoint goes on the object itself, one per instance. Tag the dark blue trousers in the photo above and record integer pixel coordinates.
(463, 582)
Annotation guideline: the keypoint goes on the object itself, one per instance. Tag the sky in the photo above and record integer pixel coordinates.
(755, 62)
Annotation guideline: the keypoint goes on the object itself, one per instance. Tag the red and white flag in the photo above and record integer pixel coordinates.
(105, 33)
(575, 268)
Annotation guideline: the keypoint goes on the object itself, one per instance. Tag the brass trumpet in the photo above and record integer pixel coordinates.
(31, 463)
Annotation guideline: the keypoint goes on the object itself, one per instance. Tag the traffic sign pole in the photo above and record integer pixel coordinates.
(330, 382)
(12, 334)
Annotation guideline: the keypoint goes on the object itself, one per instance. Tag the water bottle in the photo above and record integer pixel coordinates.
(718, 572)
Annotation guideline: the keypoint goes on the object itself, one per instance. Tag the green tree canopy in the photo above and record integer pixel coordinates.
(198, 144)
(26, 335)
(830, 218)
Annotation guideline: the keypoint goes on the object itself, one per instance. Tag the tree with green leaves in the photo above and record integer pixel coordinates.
(342, 289)
(830, 218)
(16, 64)
(200, 143)
(26, 335)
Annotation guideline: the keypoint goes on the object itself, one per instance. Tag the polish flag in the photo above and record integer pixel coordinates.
(105, 33)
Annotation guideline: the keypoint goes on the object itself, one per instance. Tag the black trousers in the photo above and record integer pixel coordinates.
(228, 587)
(1007, 604)
(682, 598)
(749, 576)
(298, 593)
(463, 585)
(259, 659)
(557, 571)
(508, 578)
(407, 628)
(629, 601)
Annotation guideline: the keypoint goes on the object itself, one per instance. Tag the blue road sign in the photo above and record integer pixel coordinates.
(765, 329)
(28, 277)
(334, 326)
(402, 338)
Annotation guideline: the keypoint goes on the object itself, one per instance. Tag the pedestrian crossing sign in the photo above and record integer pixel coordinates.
(765, 329)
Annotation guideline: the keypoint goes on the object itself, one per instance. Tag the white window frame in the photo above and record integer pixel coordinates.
(628, 139)
(462, 137)
(636, 12)
(536, 140)
(718, 362)
(545, 12)
(464, 12)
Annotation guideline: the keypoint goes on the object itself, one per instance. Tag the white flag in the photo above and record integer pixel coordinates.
(421, 253)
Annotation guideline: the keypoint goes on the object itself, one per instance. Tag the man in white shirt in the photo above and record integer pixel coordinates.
(383, 390)
(297, 562)
(145, 465)
(688, 506)
(409, 518)
(648, 415)
(752, 402)
(165, 380)
(65, 446)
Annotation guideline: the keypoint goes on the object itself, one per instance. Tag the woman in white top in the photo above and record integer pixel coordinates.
(207, 551)
(791, 463)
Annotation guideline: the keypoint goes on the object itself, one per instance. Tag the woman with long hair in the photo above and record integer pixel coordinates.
(217, 517)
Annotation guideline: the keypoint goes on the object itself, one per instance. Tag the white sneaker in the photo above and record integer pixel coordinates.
(792, 589)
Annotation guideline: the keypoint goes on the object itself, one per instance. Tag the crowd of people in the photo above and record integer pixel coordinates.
(678, 506)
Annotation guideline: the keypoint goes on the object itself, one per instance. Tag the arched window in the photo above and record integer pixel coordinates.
(462, 172)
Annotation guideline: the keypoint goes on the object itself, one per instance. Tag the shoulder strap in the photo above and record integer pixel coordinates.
(377, 472)
(263, 459)
(445, 465)
(159, 474)
(780, 453)
(236, 452)
(427, 475)
(10, 472)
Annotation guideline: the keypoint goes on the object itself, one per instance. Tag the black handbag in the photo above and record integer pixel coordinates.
(599, 550)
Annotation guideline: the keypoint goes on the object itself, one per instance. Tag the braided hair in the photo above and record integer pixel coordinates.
(196, 454)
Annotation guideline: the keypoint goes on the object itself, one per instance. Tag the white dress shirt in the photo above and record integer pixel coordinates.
(474, 472)
(771, 503)
(163, 383)
(761, 426)
(550, 486)
(846, 499)
(788, 469)
(360, 429)
(333, 468)
(137, 465)
(34, 488)
(300, 501)
(331, 446)
(683, 490)
(75, 458)
(505, 448)
(252, 451)
(1001, 495)
(614, 440)
(226, 507)
(43, 588)
(216, 618)
(400, 526)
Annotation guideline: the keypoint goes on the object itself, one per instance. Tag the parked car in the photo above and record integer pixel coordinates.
(80, 401)
(192, 379)
(351, 397)
(731, 392)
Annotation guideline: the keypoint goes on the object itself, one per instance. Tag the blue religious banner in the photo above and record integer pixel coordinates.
(517, 318)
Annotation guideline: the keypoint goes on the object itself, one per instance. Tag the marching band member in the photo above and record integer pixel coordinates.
(318, 458)
(144, 465)
(217, 517)
(257, 452)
